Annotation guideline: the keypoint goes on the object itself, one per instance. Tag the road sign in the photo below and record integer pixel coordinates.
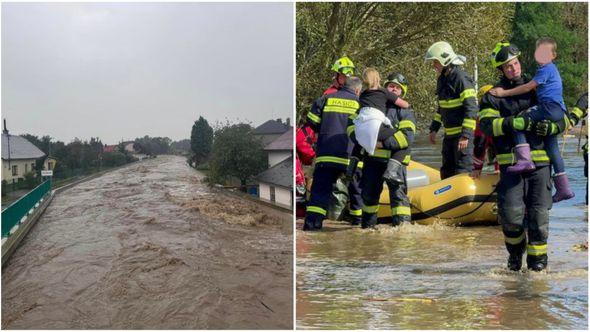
(46, 173)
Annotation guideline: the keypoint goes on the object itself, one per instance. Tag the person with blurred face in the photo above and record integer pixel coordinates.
(551, 107)
(526, 195)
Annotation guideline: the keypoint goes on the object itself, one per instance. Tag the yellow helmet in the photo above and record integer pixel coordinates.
(442, 52)
(483, 90)
(504, 52)
(344, 66)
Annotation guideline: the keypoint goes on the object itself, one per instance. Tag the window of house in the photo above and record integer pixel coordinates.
(32, 166)
(26, 168)
(272, 194)
(14, 170)
(50, 165)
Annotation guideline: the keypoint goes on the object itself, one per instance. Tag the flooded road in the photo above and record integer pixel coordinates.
(151, 247)
(442, 277)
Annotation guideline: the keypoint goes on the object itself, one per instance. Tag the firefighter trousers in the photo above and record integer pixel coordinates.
(372, 186)
(324, 178)
(454, 161)
(526, 197)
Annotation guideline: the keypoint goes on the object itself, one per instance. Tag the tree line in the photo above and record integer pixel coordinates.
(81, 157)
(393, 37)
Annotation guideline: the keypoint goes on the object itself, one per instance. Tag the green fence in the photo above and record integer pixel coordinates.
(13, 214)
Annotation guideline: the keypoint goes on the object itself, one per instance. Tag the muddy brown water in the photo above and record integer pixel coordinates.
(151, 247)
(441, 277)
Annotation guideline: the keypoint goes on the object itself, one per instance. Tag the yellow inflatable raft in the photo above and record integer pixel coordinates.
(458, 200)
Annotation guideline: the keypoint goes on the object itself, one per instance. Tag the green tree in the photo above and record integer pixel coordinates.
(567, 23)
(236, 153)
(152, 145)
(395, 37)
(201, 140)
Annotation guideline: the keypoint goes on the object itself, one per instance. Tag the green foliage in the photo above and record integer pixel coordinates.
(236, 153)
(113, 159)
(181, 147)
(567, 23)
(30, 180)
(77, 157)
(394, 37)
(201, 140)
(152, 145)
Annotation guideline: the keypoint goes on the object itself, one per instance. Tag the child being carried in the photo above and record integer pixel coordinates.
(551, 107)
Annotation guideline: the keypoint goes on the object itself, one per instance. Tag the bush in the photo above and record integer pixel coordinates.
(113, 159)
(30, 180)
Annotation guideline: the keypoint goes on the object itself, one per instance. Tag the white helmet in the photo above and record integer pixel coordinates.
(443, 53)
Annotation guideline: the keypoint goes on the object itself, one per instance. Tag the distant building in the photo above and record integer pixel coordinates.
(109, 148)
(276, 184)
(19, 157)
(129, 147)
(271, 130)
(280, 149)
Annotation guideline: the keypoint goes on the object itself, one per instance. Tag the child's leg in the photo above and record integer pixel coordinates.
(562, 187)
(519, 138)
(552, 148)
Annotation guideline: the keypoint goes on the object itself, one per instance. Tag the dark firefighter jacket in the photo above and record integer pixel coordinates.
(457, 105)
(329, 117)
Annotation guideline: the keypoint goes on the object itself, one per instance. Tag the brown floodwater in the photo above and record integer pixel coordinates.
(442, 277)
(149, 246)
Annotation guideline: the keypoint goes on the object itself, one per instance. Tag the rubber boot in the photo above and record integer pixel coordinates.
(536, 263)
(398, 220)
(312, 223)
(393, 172)
(515, 262)
(562, 188)
(524, 164)
(356, 221)
(369, 220)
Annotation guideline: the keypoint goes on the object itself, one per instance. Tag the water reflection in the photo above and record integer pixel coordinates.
(442, 277)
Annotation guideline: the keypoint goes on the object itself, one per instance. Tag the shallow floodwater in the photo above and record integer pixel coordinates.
(441, 277)
(151, 247)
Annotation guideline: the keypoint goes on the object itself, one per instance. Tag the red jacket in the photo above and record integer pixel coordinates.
(481, 144)
(330, 90)
(304, 141)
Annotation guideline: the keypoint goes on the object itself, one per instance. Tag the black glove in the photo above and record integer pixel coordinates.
(385, 133)
(545, 128)
(573, 118)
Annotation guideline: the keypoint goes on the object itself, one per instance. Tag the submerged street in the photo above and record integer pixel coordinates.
(150, 246)
(442, 277)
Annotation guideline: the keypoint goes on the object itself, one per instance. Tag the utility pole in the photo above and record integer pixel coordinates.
(8, 141)
(475, 74)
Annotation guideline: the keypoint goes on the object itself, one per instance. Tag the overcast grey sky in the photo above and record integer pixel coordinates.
(124, 70)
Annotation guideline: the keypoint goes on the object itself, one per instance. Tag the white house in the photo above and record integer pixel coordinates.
(271, 130)
(19, 157)
(280, 149)
(276, 184)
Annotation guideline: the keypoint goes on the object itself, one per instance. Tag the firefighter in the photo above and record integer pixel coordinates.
(329, 117)
(457, 110)
(342, 68)
(519, 194)
(395, 145)
(580, 112)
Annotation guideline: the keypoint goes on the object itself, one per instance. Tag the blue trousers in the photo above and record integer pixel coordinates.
(546, 111)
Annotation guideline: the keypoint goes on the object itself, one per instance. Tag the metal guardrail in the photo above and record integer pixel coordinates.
(17, 211)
